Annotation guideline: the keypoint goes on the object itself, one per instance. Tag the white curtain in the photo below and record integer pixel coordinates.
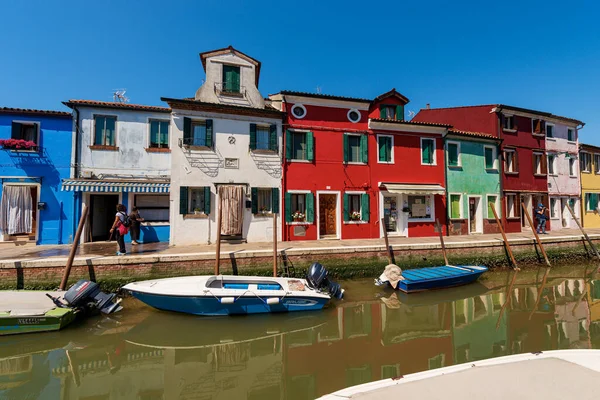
(232, 201)
(16, 210)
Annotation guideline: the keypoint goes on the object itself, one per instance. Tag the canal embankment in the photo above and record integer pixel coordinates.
(41, 268)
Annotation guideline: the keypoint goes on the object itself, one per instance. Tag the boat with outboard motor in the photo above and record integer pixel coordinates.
(421, 279)
(232, 294)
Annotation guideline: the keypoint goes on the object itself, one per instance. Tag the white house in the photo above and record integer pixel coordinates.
(121, 155)
(226, 144)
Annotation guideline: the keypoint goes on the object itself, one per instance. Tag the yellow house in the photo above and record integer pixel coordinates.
(589, 160)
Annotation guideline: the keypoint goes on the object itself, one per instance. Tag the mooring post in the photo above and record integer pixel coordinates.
(583, 232)
(508, 249)
(537, 237)
(387, 243)
(438, 227)
(63, 282)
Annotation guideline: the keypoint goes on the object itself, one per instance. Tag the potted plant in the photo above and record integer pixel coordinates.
(355, 216)
(298, 216)
(263, 210)
(197, 211)
(17, 144)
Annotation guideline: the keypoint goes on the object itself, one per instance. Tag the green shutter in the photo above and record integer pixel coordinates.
(252, 136)
(382, 149)
(209, 133)
(275, 200)
(254, 200)
(154, 133)
(109, 132)
(310, 146)
(400, 113)
(187, 130)
(227, 78)
(454, 206)
(183, 200)
(490, 213)
(288, 207)
(426, 150)
(489, 158)
(310, 208)
(207, 200)
(452, 154)
(345, 144)
(346, 207)
(364, 148)
(382, 113)
(273, 145)
(365, 209)
(164, 133)
(288, 145)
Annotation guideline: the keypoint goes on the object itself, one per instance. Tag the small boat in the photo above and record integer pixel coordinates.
(421, 279)
(230, 295)
(26, 311)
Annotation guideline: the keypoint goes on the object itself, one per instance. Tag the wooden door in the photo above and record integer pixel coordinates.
(327, 214)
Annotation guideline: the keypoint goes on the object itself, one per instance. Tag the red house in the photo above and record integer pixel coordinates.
(350, 162)
(523, 149)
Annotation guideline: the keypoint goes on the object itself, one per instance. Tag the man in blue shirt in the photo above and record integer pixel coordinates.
(540, 214)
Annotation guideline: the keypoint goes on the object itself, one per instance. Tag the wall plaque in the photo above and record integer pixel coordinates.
(232, 163)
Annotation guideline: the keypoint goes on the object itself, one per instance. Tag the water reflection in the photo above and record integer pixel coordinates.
(150, 355)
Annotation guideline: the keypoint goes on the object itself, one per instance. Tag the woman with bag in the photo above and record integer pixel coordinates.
(120, 228)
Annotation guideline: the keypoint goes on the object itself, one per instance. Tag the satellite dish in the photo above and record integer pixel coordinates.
(119, 96)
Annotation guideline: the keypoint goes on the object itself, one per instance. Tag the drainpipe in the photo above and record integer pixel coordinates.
(77, 198)
(284, 232)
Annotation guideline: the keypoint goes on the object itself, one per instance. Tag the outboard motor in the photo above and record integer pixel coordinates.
(87, 295)
(317, 279)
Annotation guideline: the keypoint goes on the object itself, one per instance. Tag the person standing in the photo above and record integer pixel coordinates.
(136, 220)
(540, 214)
(120, 228)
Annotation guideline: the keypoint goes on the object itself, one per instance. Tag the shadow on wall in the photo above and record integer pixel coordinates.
(148, 234)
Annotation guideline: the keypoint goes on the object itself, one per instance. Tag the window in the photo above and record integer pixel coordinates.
(385, 148)
(549, 131)
(570, 135)
(194, 200)
(551, 166)
(265, 200)
(104, 130)
(538, 127)
(591, 201)
(572, 163)
(553, 210)
(353, 115)
(27, 131)
(263, 137)
(427, 151)
(508, 123)
(585, 162)
(299, 111)
(153, 208)
(420, 208)
(231, 78)
(455, 206)
(356, 207)
(299, 146)
(299, 207)
(510, 161)
(453, 152)
(159, 134)
(538, 167)
(492, 201)
(198, 133)
(512, 206)
(265, 197)
(390, 111)
(438, 361)
(355, 148)
(490, 157)
(596, 163)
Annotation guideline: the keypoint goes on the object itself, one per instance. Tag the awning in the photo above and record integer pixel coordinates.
(401, 188)
(84, 185)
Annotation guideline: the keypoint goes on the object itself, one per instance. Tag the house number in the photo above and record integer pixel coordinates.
(231, 139)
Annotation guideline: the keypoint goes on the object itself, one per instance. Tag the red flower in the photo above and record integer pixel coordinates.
(17, 144)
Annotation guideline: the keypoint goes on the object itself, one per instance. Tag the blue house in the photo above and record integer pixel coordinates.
(35, 155)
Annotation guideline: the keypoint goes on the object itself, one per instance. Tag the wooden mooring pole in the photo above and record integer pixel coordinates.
(274, 245)
(387, 243)
(508, 249)
(218, 253)
(65, 278)
(438, 226)
(594, 249)
(535, 233)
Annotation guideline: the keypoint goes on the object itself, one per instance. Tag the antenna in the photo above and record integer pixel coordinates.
(411, 113)
(119, 96)
(319, 89)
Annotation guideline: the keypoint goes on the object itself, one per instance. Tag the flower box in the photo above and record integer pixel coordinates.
(17, 144)
(298, 216)
(355, 216)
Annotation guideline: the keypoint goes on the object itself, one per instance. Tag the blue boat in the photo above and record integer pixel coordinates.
(422, 279)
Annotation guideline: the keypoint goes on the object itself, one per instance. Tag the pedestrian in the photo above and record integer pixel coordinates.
(134, 230)
(540, 214)
(120, 228)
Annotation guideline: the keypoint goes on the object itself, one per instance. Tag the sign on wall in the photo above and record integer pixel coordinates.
(232, 163)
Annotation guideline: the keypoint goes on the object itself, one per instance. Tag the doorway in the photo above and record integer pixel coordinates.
(395, 215)
(327, 216)
(103, 209)
(18, 212)
(527, 200)
(231, 199)
(475, 215)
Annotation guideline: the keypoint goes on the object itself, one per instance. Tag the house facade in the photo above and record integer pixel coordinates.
(472, 182)
(121, 155)
(589, 164)
(33, 160)
(226, 156)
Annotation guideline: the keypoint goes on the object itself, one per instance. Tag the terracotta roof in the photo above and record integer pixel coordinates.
(395, 121)
(391, 93)
(473, 134)
(541, 113)
(230, 49)
(451, 108)
(323, 96)
(583, 146)
(187, 104)
(111, 104)
(11, 110)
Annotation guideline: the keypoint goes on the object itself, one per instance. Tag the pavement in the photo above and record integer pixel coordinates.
(23, 251)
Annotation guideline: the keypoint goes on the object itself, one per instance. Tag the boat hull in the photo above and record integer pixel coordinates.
(433, 278)
(51, 321)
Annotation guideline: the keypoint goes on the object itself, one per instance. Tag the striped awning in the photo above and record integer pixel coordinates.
(84, 185)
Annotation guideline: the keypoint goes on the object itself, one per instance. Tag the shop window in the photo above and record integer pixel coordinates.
(420, 208)
(153, 207)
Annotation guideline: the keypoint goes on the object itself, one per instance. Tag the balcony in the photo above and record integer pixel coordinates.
(230, 89)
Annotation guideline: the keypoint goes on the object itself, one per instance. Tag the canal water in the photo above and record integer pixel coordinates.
(372, 334)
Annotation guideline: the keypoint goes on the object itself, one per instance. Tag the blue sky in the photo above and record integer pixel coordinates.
(543, 55)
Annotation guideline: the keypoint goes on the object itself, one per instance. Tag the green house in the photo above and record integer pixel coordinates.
(472, 182)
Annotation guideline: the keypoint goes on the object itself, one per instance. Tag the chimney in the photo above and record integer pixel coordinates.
(428, 106)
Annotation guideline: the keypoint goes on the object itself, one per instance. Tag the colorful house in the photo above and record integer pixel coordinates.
(589, 165)
(351, 162)
(33, 160)
(121, 155)
(226, 145)
(472, 182)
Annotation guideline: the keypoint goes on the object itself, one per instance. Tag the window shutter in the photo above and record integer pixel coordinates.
(235, 72)
(382, 149)
(310, 146)
(16, 131)
(516, 161)
(346, 207)
(345, 144)
(544, 166)
(364, 148)
(382, 113)
(288, 145)
(252, 136)
(515, 124)
(209, 133)
(275, 200)
(207, 200)
(365, 210)
(452, 154)
(254, 200)
(400, 113)
(310, 208)
(490, 213)
(454, 206)
(536, 125)
(489, 160)
(426, 150)
(288, 207)
(542, 127)
(183, 200)
(187, 130)
(273, 145)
